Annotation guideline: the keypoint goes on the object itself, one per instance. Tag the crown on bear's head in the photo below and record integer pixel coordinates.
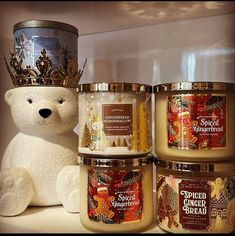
(46, 75)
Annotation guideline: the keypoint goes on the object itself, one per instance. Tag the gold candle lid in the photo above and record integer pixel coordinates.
(222, 166)
(114, 87)
(198, 86)
(45, 24)
(115, 162)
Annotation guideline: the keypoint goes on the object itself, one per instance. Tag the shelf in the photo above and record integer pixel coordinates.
(48, 220)
(96, 17)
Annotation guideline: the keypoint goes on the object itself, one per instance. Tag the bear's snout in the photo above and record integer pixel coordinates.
(45, 112)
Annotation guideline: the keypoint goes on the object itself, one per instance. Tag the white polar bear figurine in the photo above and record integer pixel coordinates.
(39, 166)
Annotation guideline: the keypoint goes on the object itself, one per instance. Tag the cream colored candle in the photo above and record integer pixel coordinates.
(116, 194)
(195, 121)
(114, 119)
(196, 198)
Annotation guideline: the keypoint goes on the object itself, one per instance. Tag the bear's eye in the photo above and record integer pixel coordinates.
(61, 100)
(29, 100)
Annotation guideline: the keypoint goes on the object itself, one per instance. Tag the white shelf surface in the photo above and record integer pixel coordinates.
(53, 219)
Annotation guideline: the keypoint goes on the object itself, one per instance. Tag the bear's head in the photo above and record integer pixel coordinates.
(43, 111)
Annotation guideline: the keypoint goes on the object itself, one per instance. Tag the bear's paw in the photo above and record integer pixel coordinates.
(68, 188)
(16, 191)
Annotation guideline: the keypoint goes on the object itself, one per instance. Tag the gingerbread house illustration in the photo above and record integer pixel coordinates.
(219, 207)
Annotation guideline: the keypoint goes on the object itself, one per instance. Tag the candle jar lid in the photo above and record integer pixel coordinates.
(114, 87)
(195, 86)
(115, 162)
(223, 166)
(45, 24)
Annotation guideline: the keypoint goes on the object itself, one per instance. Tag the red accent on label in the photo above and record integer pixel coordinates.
(115, 197)
(194, 204)
(197, 121)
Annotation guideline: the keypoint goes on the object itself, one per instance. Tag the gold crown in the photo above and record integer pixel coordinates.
(46, 75)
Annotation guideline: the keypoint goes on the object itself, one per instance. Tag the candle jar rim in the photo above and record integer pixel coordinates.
(222, 166)
(194, 86)
(45, 24)
(114, 87)
(96, 161)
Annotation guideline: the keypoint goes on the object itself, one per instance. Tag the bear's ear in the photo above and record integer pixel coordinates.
(8, 96)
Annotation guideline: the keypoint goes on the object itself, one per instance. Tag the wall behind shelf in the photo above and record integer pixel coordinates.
(196, 49)
(192, 50)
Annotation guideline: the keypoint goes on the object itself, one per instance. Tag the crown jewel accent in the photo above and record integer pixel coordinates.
(47, 75)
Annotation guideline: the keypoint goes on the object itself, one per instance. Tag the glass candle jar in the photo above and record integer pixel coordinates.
(116, 194)
(114, 119)
(195, 198)
(59, 39)
(195, 121)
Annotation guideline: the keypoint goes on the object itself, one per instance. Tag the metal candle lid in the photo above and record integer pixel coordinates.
(114, 87)
(224, 166)
(198, 86)
(45, 24)
(115, 162)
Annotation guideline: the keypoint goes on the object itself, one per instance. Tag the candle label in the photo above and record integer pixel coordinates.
(114, 123)
(197, 121)
(117, 119)
(115, 197)
(197, 205)
(51, 45)
(60, 45)
(194, 204)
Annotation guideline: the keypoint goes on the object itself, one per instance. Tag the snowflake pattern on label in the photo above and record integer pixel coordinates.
(23, 46)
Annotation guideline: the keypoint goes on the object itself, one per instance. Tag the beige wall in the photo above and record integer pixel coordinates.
(7, 127)
(196, 49)
(192, 49)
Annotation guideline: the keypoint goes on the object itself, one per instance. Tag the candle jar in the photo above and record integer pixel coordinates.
(116, 194)
(114, 119)
(195, 198)
(195, 121)
(60, 40)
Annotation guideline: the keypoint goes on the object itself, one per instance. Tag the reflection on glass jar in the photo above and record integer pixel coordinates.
(195, 198)
(195, 121)
(116, 194)
(114, 118)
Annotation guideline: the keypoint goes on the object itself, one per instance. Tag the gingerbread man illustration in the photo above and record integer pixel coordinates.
(185, 126)
(103, 200)
(218, 186)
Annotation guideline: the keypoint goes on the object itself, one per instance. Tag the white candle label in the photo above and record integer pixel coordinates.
(194, 204)
(117, 119)
(197, 121)
(115, 197)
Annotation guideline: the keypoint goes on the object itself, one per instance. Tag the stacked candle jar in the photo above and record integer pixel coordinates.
(194, 132)
(115, 161)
